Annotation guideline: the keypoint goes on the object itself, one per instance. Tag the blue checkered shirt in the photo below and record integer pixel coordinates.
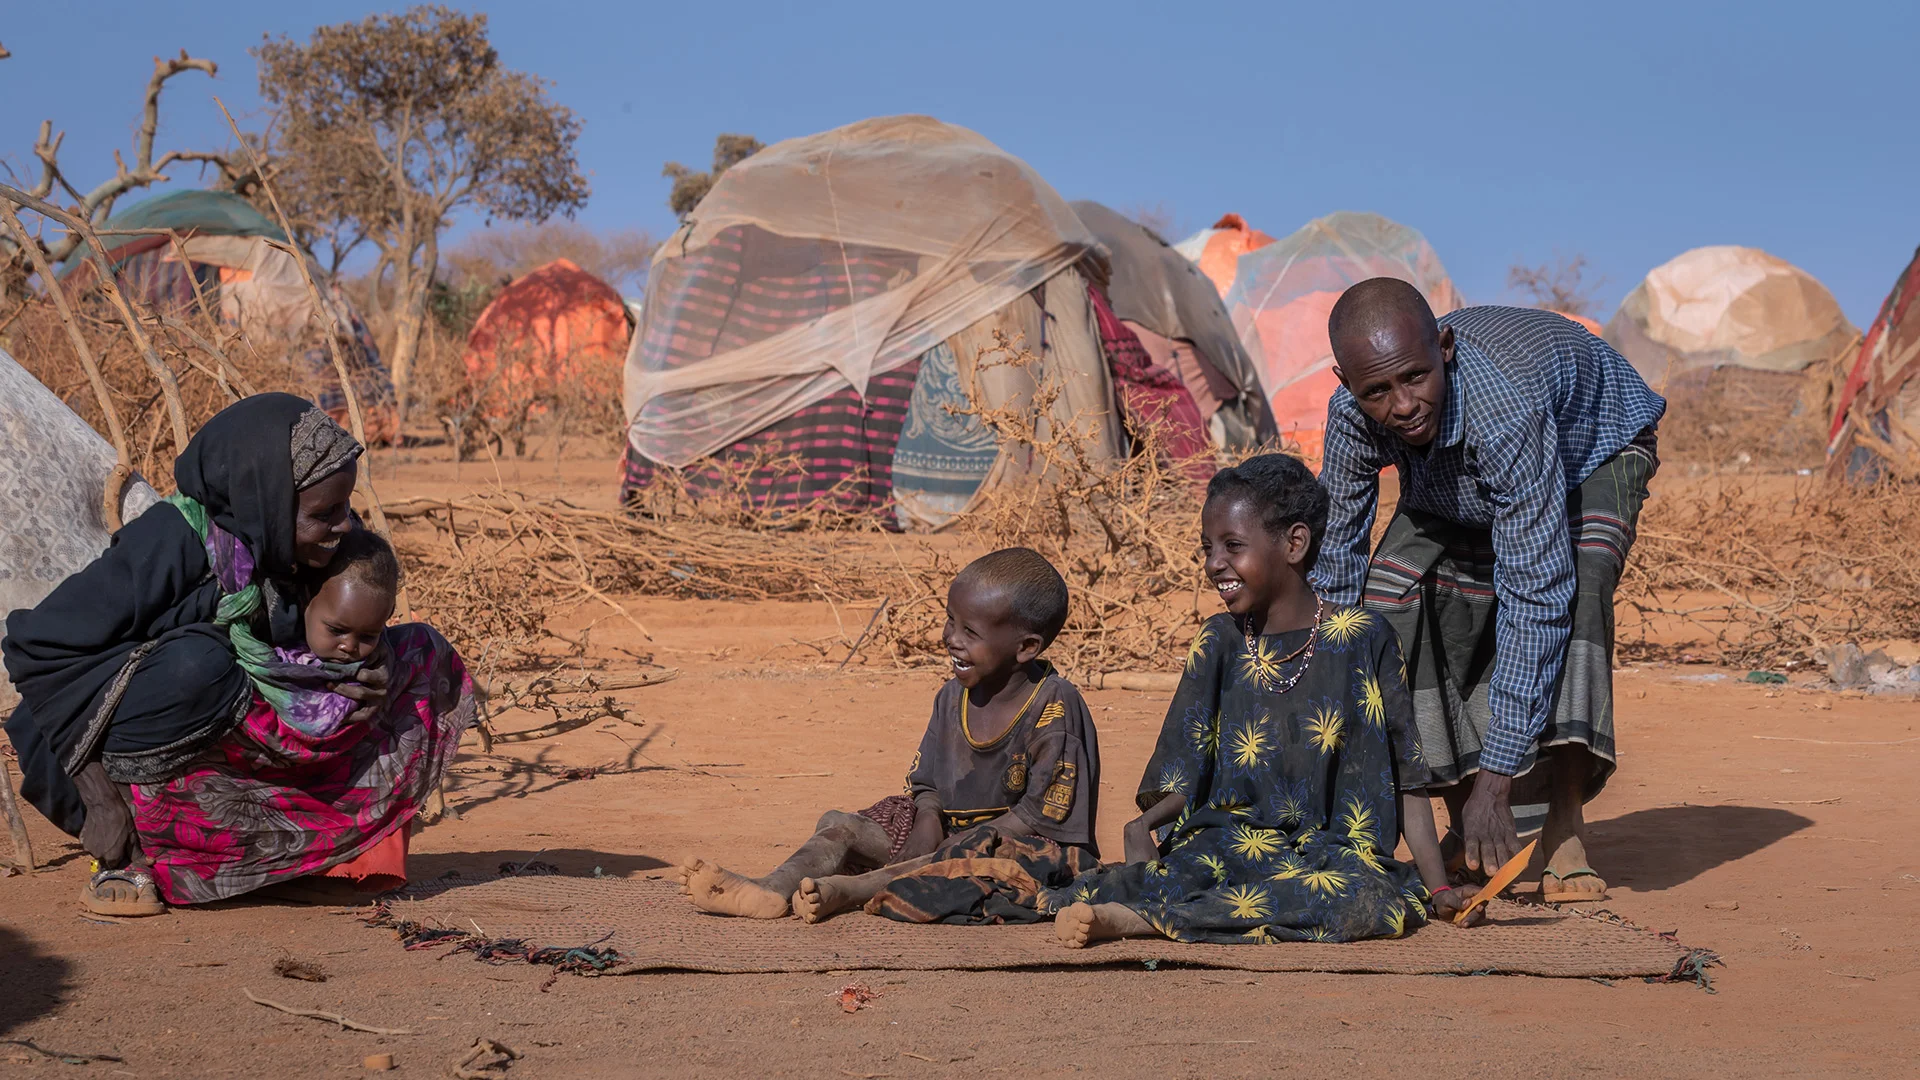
(1534, 405)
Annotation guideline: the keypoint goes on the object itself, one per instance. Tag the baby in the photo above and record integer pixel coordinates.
(345, 620)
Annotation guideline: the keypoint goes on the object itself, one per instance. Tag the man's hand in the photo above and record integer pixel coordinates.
(368, 689)
(1138, 837)
(1487, 823)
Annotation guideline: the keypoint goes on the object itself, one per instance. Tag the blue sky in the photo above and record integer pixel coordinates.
(1504, 132)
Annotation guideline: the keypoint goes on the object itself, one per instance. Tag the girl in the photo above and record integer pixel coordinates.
(1287, 766)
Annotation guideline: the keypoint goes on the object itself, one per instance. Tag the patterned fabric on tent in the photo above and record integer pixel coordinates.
(1217, 250)
(1284, 292)
(1736, 338)
(788, 317)
(1176, 313)
(555, 334)
(1875, 430)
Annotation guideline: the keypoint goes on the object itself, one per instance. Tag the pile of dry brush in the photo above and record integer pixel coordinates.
(1123, 535)
(1740, 575)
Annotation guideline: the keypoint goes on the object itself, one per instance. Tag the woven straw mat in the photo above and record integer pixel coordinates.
(655, 928)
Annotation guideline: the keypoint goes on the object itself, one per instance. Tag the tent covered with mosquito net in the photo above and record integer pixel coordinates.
(240, 266)
(1283, 293)
(1176, 313)
(825, 321)
(1742, 344)
(1874, 430)
(551, 341)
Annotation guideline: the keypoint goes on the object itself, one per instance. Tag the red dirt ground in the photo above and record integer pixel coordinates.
(1785, 801)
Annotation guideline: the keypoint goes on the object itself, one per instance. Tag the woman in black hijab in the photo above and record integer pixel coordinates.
(123, 675)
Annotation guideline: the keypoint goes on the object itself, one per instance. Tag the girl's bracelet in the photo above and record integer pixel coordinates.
(1441, 889)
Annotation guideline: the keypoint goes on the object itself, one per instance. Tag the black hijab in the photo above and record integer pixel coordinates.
(249, 463)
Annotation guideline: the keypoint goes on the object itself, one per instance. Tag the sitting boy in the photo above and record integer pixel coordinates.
(1011, 746)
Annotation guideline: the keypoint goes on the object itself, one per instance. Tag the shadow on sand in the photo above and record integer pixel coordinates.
(1665, 846)
(36, 983)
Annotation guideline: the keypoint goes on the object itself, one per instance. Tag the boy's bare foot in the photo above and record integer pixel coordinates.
(820, 898)
(1080, 925)
(723, 892)
(683, 873)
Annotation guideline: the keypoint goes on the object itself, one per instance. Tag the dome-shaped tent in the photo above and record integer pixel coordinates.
(1284, 292)
(1175, 312)
(552, 336)
(238, 262)
(1736, 337)
(834, 289)
(1875, 426)
(1216, 251)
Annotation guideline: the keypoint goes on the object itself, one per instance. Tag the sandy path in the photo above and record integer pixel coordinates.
(1815, 840)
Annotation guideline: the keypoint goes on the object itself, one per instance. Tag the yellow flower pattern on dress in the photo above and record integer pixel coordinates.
(1253, 843)
(1331, 882)
(1198, 650)
(1324, 728)
(1249, 902)
(1344, 625)
(1373, 703)
(1260, 662)
(1250, 744)
(1203, 733)
(1214, 865)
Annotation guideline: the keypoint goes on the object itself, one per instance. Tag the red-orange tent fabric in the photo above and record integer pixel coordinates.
(1592, 327)
(1217, 250)
(557, 332)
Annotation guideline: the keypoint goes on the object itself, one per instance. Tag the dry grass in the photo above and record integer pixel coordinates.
(213, 365)
(1736, 575)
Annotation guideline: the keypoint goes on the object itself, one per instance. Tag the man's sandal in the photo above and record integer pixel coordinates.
(146, 900)
(1557, 894)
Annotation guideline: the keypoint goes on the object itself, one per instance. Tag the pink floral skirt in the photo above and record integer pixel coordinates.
(267, 803)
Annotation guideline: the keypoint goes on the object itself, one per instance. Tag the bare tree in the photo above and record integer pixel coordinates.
(690, 187)
(1561, 286)
(619, 258)
(398, 122)
(95, 205)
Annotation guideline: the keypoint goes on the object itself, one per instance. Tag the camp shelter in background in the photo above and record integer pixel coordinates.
(1216, 251)
(239, 262)
(1176, 313)
(1589, 325)
(550, 337)
(1874, 431)
(1742, 344)
(1284, 292)
(812, 329)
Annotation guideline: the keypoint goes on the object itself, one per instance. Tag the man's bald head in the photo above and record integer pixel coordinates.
(1375, 310)
(1391, 355)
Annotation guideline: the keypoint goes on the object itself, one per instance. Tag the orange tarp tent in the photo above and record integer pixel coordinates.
(559, 331)
(1217, 250)
(1283, 293)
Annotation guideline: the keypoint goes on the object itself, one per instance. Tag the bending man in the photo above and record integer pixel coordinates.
(1524, 446)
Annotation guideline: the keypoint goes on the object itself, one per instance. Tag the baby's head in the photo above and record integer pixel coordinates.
(1003, 610)
(350, 610)
(1261, 529)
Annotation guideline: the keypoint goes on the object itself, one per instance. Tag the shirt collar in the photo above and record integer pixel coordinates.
(1453, 419)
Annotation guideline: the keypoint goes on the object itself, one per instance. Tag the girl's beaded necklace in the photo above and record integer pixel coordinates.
(1304, 653)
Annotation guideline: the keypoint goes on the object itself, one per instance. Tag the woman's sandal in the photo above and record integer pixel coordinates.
(1558, 894)
(146, 900)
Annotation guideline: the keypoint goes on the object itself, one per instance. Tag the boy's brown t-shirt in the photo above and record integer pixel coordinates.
(1045, 769)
